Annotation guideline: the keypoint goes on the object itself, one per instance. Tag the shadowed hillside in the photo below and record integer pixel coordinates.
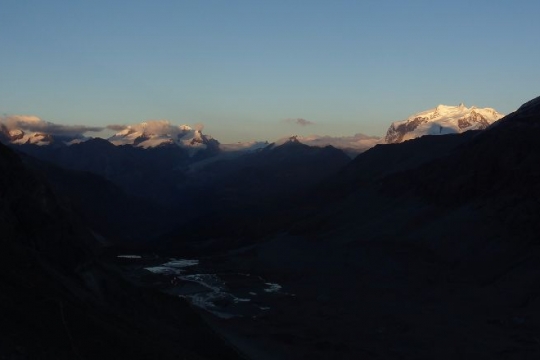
(57, 301)
(420, 250)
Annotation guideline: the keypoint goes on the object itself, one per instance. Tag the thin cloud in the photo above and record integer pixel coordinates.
(299, 121)
(116, 127)
(156, 127)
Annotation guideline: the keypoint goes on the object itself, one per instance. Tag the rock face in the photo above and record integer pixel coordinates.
(440, 121)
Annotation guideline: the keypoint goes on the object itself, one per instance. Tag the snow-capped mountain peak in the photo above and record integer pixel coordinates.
(22, 129)
(156, 133)
(29, 129)
(443, 119)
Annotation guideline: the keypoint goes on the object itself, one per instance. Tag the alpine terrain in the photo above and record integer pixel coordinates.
(441, 120)
(161, 243)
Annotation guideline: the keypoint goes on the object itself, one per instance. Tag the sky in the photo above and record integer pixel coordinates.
(249, 70)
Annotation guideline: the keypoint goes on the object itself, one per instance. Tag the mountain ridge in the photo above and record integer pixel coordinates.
(60, 300)
(428, 248)
(440, 120)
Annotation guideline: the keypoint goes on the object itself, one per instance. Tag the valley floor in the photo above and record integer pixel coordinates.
(388, 302)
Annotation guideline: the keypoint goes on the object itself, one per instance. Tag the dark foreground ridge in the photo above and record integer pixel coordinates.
(58, 301)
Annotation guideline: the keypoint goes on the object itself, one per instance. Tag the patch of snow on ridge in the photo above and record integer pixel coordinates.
(216, 292)
(272, 287)
(164, 270)
(129, 256)
(181, 263)
(173, 267)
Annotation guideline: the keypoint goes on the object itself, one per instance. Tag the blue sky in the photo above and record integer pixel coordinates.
(242, 67)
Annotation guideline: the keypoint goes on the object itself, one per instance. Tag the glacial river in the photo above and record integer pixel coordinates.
(225, 295)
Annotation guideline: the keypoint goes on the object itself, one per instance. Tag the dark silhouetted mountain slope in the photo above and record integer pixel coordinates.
(274, 174)
(383, 160)
(255, 194)
(148, 173)
(59, 301)
(420, 250)
(30, 214)
(104, 207)
(497, 169)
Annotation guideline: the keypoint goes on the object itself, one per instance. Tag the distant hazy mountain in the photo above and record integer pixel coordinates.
(352, 145)
(275, 172)
(243, 146)
(440, 121)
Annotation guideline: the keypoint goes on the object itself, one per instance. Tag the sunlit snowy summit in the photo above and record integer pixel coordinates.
(29, 129)
(441, 120)
(154, 133)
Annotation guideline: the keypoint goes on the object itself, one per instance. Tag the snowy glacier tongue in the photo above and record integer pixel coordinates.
(225, 295)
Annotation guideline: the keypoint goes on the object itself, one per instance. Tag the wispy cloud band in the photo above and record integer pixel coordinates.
(299, 121)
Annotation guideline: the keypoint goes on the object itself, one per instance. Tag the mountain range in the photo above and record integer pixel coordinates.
(424, 245)
(421, 249)
(26, 130)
